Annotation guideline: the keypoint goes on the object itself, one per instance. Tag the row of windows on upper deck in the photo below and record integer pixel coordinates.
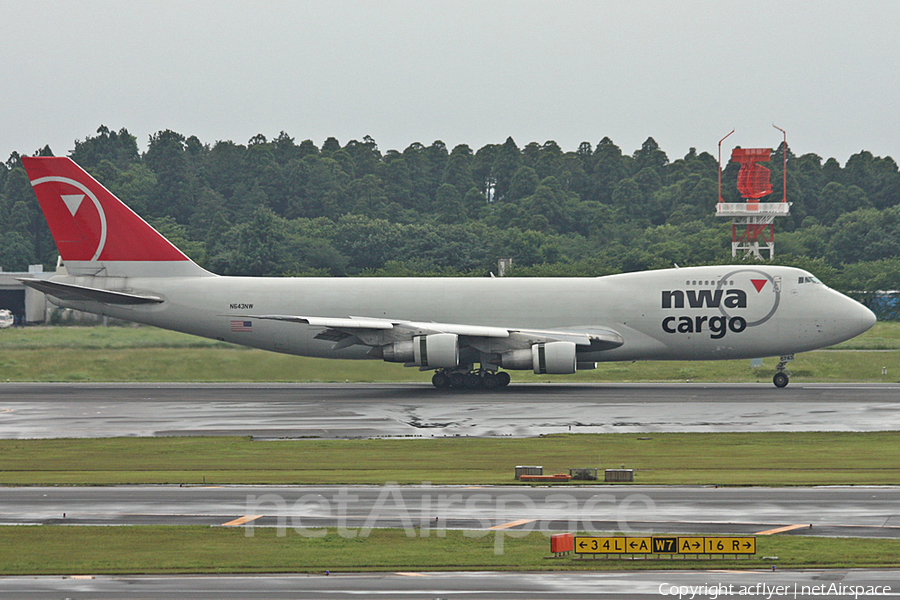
(708, 282)
(809, 279)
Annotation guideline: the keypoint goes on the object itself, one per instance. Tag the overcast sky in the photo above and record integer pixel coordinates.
(465, 72)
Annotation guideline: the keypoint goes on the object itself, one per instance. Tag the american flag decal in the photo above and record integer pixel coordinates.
(241, 326)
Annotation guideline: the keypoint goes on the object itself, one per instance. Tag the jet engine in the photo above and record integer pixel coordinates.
(438, 350)
(555, 358)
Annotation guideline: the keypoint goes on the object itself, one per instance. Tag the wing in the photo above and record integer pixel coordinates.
(379, 333)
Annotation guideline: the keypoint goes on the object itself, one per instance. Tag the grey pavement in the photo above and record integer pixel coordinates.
(830, 511)
(699, 585)
(37, 410)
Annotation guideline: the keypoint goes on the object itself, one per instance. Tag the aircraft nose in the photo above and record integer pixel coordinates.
(858, 318)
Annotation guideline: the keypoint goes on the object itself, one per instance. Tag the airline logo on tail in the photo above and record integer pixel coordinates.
(80, 232)
(87, 221)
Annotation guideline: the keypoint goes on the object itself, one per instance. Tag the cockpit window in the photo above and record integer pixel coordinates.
(809, 279)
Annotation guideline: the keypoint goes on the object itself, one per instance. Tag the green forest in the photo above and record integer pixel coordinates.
(278, 207)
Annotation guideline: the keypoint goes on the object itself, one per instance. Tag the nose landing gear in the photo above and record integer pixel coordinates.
(782, 377)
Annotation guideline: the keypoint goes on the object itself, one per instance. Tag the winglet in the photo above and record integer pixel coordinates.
(95, 232)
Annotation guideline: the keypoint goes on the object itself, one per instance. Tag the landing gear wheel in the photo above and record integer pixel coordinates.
(440, 380)
(458, 380)
(782, 375)
(780, 380)
(503, 377)
(472, 381)
(491, 381)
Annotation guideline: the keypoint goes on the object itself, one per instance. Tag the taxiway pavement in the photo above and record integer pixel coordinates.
(635, 585)
(825, 511)
(40, 410)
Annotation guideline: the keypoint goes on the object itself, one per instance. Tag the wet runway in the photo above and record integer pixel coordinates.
(773, 585)
(824, 511)
(35, 410)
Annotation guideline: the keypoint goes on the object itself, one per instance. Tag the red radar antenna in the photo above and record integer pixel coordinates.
(753, 180)
(752, 224)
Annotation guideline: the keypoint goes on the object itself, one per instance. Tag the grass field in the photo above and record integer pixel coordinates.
(62, 550)
(150, 354)
(773, 459)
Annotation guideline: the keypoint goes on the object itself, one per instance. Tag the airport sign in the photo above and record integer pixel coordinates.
(664, 545)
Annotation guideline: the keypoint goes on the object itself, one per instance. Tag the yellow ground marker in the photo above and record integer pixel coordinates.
(729, 571)
(512, 524)
(241, 521)
(782, 529)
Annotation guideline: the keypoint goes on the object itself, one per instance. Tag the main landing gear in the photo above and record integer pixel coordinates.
(782, 377)
(470, 380)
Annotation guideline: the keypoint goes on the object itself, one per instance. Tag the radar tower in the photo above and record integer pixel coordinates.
(752, 221)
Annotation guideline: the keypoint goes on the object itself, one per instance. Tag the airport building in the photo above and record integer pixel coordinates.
(27, 305)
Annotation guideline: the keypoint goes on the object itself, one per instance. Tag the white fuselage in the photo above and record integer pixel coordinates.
(705, 313)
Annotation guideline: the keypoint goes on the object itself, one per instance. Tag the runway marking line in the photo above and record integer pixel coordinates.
(782, 529)
(410, 574)
(241, 520)
(727, 571)
(512, 524)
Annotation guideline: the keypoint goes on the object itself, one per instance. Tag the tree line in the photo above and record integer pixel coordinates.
(278, 207)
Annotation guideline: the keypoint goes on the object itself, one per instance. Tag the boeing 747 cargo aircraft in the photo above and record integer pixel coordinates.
(468, 330)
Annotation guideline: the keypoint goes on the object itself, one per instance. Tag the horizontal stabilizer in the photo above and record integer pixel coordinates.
(69, 291)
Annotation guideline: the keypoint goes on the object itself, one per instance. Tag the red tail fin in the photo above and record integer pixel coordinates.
(87, 221)
(91, 227)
